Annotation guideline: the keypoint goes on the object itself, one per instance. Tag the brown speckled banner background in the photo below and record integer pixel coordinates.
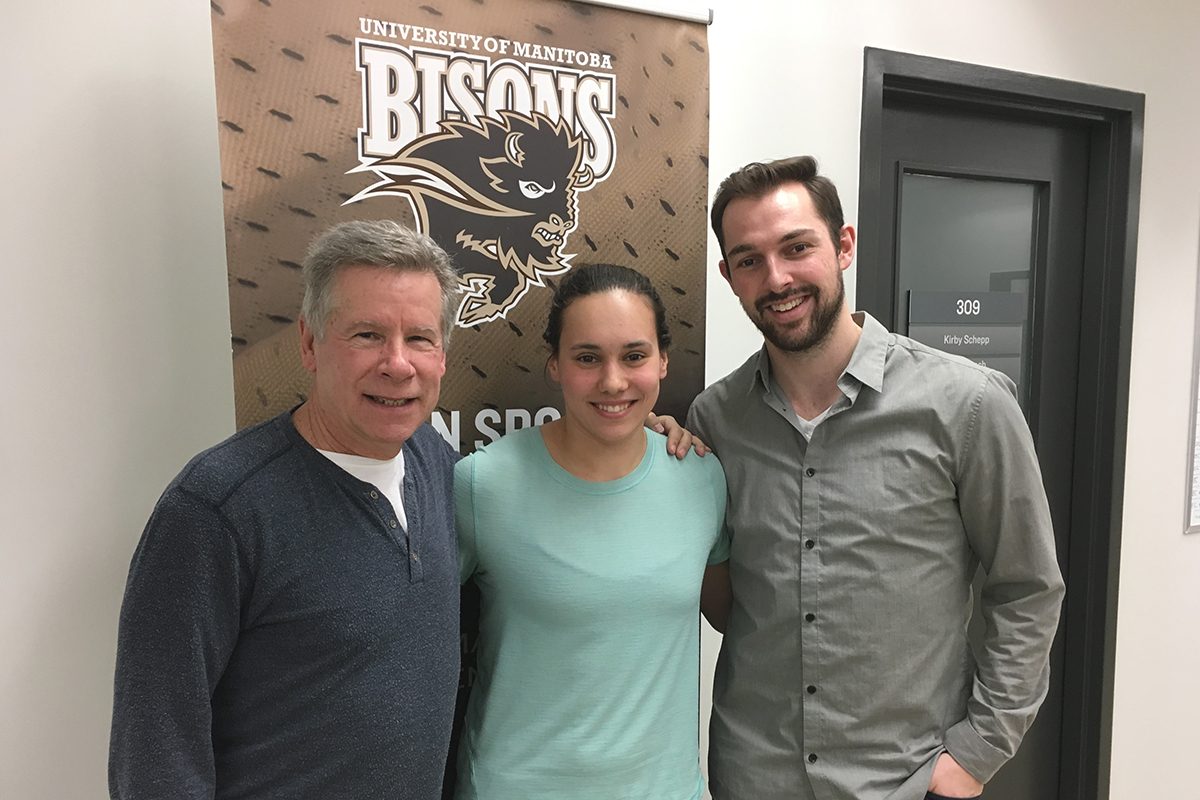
(289, 106)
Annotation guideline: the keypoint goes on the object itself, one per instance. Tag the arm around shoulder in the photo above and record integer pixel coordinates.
(679, 439)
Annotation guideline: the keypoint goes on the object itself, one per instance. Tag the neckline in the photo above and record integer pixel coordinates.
(561, 475)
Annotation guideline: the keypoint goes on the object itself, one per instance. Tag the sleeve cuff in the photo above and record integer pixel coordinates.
(972, 753)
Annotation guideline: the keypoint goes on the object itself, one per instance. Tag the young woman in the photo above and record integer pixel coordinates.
(590, 544)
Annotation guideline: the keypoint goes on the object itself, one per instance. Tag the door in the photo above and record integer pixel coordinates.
(988, 229)
(984, 212)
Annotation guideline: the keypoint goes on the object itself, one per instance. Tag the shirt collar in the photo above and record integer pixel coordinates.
(866, 362)
(870, 354)
(762, 371)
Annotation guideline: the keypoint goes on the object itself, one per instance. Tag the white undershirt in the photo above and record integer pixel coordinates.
(386, 476)
(807, 426)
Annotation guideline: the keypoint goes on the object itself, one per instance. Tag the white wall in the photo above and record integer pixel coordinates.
(116, 347)
(117, 365)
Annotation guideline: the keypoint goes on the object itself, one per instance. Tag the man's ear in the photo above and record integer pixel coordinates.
(308, 355)
(724, 271)
(847, 240)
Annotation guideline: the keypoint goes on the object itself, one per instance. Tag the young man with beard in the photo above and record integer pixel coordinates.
(869, 476)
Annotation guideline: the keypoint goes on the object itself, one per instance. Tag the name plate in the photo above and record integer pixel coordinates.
(970, 340)
(986, 327)
(981, 308)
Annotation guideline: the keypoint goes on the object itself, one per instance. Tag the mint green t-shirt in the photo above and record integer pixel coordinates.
(589, 644)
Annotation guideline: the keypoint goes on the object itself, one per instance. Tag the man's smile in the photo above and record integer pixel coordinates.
(388, 401)
(778, 305)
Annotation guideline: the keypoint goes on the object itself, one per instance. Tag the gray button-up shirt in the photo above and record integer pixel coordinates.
(845, 669)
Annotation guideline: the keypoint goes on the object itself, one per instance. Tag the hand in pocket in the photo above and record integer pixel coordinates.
(952, 781)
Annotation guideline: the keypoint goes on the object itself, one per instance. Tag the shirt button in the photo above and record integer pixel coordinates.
(414, 556)
(810, 544)
(374, 495)
(810, 472)
(810, 617)
(811, 690)
(812, 758)
(393, 523)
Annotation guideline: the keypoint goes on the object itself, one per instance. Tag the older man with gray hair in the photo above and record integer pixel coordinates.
(290, 622)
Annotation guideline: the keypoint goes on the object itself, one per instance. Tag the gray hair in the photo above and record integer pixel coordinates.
(381, 243)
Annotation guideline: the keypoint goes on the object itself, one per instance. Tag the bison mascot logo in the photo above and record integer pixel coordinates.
(499, 195)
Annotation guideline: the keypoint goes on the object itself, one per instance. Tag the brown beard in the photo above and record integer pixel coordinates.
(820, 322)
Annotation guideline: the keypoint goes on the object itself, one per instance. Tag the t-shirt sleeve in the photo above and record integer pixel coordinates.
(720, 496)
(464, 517)
(179, 624)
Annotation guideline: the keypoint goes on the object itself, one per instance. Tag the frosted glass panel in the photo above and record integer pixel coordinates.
(965, 260)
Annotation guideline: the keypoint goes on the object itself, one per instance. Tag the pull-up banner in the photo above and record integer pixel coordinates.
(525, 136)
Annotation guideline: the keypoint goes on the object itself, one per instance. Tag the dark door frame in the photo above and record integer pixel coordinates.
(1114, 119)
